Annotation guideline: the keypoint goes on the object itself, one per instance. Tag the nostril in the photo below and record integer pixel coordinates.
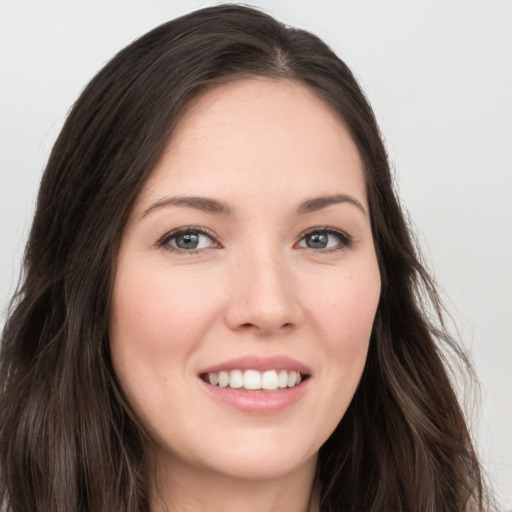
(263, 316)
(249, 325)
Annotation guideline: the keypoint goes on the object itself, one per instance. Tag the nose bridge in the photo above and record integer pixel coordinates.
(265, 297)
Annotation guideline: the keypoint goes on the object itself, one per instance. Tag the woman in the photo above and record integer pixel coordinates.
(222, 307)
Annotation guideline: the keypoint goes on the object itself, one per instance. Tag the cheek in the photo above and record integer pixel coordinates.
(344, 312)
(157, 320)
(156, 303)
(341, 309)
(344, 306)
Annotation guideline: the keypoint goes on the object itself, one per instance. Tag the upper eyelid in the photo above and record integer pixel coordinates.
(325, 229)
(186, 229)
(346, 241)
(322, 228)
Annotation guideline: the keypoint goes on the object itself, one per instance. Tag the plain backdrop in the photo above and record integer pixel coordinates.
(439, 76)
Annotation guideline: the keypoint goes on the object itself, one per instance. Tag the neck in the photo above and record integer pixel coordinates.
(184, 488)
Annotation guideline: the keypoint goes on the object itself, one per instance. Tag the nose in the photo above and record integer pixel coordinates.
(264, 296)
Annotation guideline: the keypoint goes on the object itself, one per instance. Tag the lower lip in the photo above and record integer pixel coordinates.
(257, 402)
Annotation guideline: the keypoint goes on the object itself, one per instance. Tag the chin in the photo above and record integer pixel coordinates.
(245, 456)
(258, 467)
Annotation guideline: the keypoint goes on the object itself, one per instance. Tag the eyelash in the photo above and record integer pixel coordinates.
(164, 241)
(345, 241)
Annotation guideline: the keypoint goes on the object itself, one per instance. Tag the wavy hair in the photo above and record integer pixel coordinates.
(68, 439)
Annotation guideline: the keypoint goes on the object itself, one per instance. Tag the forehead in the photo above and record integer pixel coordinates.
(258, 135)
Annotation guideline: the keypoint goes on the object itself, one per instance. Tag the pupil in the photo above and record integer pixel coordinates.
(187, 241)
(317, 241)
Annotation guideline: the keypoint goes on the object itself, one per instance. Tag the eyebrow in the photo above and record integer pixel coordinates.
(318, 203)
(204, 204)
(209, 205)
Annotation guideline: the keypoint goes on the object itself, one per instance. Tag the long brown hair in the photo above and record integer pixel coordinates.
(68, 440)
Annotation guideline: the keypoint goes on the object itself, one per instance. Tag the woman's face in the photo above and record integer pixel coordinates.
(247, 259)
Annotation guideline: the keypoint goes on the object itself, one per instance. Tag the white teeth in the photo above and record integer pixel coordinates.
(269, 380)
(282, 379)
(254, 380)
(236, 379)
(223, 379)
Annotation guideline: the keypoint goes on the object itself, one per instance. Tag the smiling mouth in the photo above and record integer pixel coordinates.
(253, 380)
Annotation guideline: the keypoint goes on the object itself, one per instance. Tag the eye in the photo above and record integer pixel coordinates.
(188, 239)
(325, 239)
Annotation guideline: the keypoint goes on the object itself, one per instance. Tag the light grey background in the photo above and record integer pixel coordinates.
(439, 75)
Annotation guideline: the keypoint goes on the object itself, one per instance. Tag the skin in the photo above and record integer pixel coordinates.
(262, 148)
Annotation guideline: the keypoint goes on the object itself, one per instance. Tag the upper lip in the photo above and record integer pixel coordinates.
(259, 363)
